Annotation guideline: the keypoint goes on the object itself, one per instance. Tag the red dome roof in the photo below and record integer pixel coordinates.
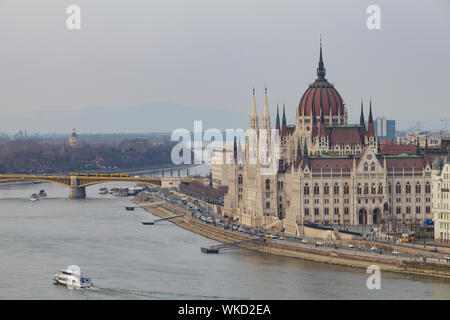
(321, 95)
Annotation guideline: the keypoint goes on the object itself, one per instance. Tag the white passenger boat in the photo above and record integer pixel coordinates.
(72, 278)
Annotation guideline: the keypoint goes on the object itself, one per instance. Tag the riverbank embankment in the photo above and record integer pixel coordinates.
(289, 249)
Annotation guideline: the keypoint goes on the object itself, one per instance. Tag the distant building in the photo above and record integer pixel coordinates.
(73, 140)
(441, 199)
(384, 129)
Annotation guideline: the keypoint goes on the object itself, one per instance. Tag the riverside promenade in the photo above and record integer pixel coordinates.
(350, 258)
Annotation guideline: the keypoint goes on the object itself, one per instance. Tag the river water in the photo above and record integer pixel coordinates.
(127, 260)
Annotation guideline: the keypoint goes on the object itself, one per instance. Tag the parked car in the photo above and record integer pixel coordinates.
(330, 244)
(351, 246)
(395, 252)
(282, 238)
(304, 241)
(319, 243)
(374, 248)
(273, 236)
(361, 248)
(434, 250)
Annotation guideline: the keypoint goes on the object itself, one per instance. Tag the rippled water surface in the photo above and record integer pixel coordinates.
(127, 260)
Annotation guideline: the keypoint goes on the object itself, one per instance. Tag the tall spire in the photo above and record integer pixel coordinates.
(266, 116)
(361, 118)
(370, 128)
(277, 125)
(321, 68)
(284, 124)
(253, 116)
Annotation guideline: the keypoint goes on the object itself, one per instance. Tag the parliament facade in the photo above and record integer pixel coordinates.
(329, 172)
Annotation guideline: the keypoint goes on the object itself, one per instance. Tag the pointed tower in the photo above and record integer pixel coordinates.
(253, 124)
(277, 125)
(266, 117)
(284, 124)
(370, 128)
(361, 117)
(321, 68)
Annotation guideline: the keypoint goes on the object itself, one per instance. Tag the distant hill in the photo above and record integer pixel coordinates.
(152, 117)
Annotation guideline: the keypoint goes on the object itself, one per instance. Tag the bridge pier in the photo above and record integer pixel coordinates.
(77, 193)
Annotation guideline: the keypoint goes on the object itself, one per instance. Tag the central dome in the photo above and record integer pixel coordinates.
(321, 95)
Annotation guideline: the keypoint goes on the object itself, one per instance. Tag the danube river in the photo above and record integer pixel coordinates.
(127, 260)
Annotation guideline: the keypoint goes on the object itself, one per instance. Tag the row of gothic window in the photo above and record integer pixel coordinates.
(366, 189)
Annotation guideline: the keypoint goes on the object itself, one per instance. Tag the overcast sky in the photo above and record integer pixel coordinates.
(209, 54)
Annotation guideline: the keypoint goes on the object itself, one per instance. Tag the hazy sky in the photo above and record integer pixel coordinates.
(209, 54)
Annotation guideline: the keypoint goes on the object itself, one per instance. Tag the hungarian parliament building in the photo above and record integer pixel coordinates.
(330, 172)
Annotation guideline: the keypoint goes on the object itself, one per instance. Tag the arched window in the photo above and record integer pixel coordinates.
(240, 179)
(359, 189)
(316, 189)
(389, 188)
(336, 189)
(408, 188)
(366, 166)
(418, 188)
(306, 189)
(373, 189)
(372, 166)
(326, 189)
(366, 189)
(427, 188)
(398, 188)
(380, 189)
(267, 184)
(346, 189)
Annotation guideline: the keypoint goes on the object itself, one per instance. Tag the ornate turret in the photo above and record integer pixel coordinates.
(321, 68)
(361, 117)
(266, 117)
(370, 128)
(284, 124)
(277, 125)
(253, 117)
